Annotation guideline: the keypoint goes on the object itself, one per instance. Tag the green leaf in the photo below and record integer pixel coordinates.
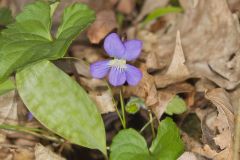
(134, 104)
(29, 39)
(168, 144)
(5, 16)
(129, 145)
(61, 105)
(161, 12)
(6, 86)
(176, 106)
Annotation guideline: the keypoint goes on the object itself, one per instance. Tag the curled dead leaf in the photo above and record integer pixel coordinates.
(224, 122)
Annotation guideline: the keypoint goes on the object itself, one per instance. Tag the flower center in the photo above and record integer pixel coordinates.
(118, 63)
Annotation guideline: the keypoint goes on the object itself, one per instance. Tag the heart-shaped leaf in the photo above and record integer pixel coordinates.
(176, 106)
(168, 144)
(29, 39)
(61, 105)
(130, 145)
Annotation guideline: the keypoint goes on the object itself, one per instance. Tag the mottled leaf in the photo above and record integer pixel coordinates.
(29, 39)
(6, 86)
(60, 104)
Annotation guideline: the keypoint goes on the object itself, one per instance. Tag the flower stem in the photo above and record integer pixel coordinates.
(115, 105)
(150, 121)
(123, 109)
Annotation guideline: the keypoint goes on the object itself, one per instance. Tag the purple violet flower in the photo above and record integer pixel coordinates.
(117, 69)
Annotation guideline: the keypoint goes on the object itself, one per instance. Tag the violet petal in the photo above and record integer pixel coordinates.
(134, 75)
(117, 77)
(99, 69)
(114, 46)
(132, 49)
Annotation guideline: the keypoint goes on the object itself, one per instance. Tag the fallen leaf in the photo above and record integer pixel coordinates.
(105, 22)
(126, 6)
(146, 89)
(8, 108)
(224, 121)
(187, 156)
(104, 101)
(210, 40)
(23, 154)
(43, 153)
(177, 70)
(163, 99)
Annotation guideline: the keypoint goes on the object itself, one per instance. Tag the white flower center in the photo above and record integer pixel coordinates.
(118, 63)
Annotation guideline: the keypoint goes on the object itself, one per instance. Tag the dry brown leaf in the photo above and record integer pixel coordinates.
(126, 6)
(177, 67)
(82, 68)
(163, 99)
(220, 98)
(23, 154)
(177, 70)
(187, 156)
(105, 22)
(210, 40)
(103, 100)
(43, 153)
(8, 108)
(224, 122)
(189, 4)
(146, 89)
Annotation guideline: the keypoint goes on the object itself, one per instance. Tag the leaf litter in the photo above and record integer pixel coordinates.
(193, 54)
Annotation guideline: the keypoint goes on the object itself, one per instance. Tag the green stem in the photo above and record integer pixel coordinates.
(152, 125)
(147, 124)
(115, 105)
(123, 109)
